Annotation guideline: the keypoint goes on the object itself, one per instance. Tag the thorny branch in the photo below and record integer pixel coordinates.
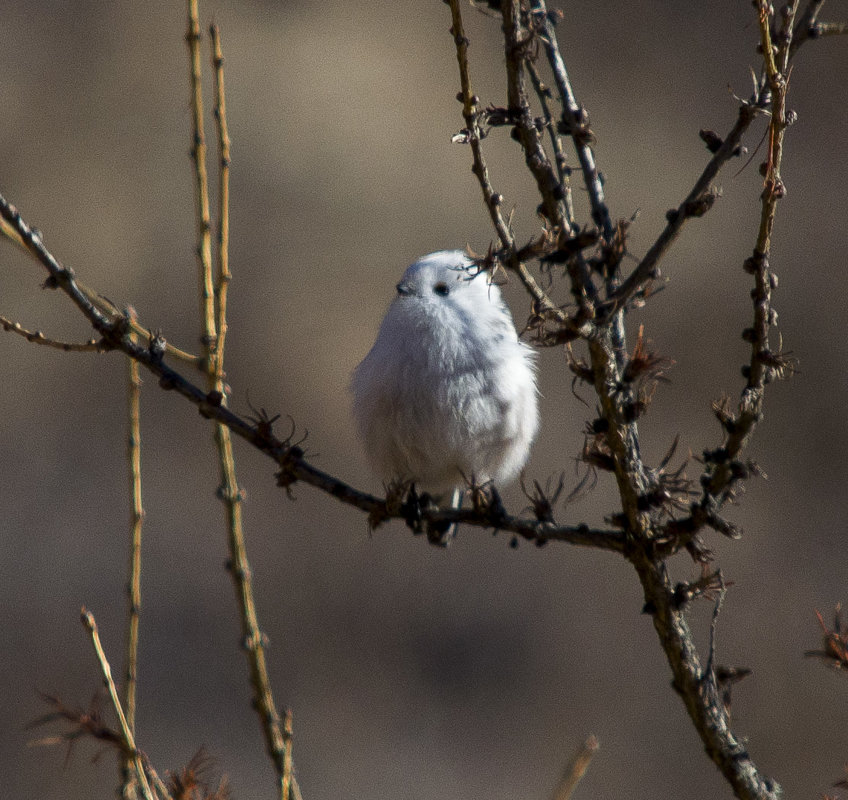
(638, 534)
(645, 493)
(289, 457)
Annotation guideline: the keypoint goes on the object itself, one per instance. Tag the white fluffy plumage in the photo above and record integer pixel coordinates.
(447, 393)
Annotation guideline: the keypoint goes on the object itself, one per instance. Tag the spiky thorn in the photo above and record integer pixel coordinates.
(835, 649)
(542, 501)
(723, 411)
(613, 254)
(188, 783)
(669, 491)
(567, 247)
(645, 364)
(579, 367)
(413, 506)
(708, 587)
(486, 500)
(264, 422)
(597, 453)
(396, 496)
(293, 453)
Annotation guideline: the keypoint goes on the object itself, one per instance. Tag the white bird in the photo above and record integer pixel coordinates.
(447, 395)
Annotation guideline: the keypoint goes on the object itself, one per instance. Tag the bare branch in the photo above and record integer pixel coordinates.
(491, 198)
(543, 92)
(277, 743)
(136, 525)
(694, 205)
(37, 337)
(574, 120)
(126, 733)
(470, 101)
(201, 184)
(765, 365)
(223, 251)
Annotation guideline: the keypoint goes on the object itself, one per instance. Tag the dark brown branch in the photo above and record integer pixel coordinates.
(608, 359)
(700, 695)
(289, 457)
(764, 365)
(517, 39)
(517, 42)
(574, 120)
(543, 92)
(491, 198)
(694, 205)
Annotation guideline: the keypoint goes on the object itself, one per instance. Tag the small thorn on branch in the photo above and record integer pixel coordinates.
(835, 641)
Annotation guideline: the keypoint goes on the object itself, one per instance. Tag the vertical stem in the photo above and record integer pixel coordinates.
(136, 524)
(573, 117)
(201, 186)
(469, 111)
(223, 261)
(214, 326)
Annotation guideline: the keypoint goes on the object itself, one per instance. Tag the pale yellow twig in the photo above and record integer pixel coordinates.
(277, 741)
(100, 302)
(201, 185)
(136, 524)
(91, 346)
(127, 735)
(223, 254)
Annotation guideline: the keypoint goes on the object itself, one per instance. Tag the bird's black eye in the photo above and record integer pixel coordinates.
(442, 289)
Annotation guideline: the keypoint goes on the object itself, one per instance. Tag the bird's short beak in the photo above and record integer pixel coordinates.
(404, 289)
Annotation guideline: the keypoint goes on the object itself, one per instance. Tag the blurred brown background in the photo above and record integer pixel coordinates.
(412, 672)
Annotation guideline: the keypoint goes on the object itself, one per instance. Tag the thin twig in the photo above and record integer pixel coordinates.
(136, 524)
(140, 330)
(576, 769)
(37, 337)
(722, 591)
(288, 783)
(764, 364)
(10, 234)
(201, 184)
(223, 252)
(574, 120)
(692, 206)
(158, 784)
(516, 42)
(809, 27)
(563, 170)
(831, 29)
(491, 198)
(277, 741)
(128, 738)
